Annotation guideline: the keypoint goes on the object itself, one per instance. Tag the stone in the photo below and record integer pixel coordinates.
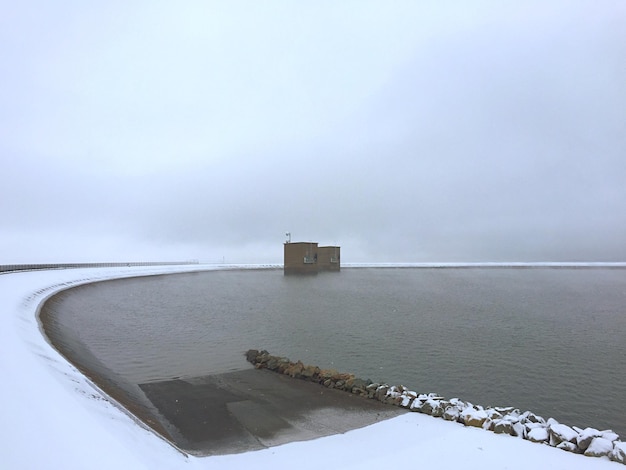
(263, 357)
(251, 355)
(493, 414)
(438, 408)
(381, 392)
(610, 435)
(586, 436)
(503, 426)
(435, 396)
(473, 417)
(341, 376)
(371, 389)
(599, 447)
(451, 413)
(528, 425)
(407, 400)
(458, 403)
(504, 409)
(327, 373)
(531, 417)
(294, 370)
(538, 435)
(395, 400)
(426, 406)
(359, 384)
(519, 430)
(310, 372)
(560, 433)
(568, 446)
(283, 364)
(488, 425)
(416, 404)
(619, 452)
(278, 365)
(433, 407)
(514, 418)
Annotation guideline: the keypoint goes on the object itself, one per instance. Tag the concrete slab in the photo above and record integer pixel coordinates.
(253, 409)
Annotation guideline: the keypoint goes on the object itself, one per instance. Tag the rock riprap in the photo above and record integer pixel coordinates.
(502, 420)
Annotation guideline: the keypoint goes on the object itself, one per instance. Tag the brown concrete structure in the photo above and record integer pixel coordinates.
(328, 258)
(301, 258)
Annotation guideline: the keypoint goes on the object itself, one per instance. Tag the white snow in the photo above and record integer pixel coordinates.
(53, 417)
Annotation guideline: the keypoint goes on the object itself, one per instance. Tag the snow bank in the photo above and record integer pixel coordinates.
(54, 417)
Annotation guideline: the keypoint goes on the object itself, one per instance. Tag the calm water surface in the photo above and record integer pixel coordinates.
(549, 340)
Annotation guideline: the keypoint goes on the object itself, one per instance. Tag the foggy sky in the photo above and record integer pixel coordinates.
(402, 131)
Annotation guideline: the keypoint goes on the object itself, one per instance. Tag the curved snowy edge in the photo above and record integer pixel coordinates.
(54, 416)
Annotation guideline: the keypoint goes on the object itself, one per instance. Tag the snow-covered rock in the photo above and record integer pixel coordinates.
(519, 430)
(500, 420)
(451, 413)
(406, 401)
(529, 416)
(610, 435)
(474, 417)
(538, 435)
(560, 433)
(599, 447)
(431, 404)
(568, 446)
(503, 426)
(381, 392)
(619, 452)
(586, 436)
(494, 414)
(395, 395)
(529, 425)
(505, 410)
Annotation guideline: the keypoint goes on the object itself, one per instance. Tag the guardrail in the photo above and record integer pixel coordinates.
(9, 268)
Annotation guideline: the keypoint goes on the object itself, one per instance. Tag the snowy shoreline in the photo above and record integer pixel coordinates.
(51, 406)
(502, 420)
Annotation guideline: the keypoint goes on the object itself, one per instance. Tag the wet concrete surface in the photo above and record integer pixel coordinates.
(254, 409)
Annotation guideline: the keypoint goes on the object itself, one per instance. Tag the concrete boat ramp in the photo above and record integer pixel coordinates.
(253, 409)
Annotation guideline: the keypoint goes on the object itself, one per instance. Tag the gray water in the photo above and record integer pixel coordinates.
(547, 340)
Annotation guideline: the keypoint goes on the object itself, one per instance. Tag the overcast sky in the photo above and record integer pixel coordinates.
(402, 131)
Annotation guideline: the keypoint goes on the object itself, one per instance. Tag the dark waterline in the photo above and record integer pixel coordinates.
(548, 340)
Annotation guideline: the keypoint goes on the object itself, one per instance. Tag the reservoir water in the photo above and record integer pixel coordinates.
(543, 339)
